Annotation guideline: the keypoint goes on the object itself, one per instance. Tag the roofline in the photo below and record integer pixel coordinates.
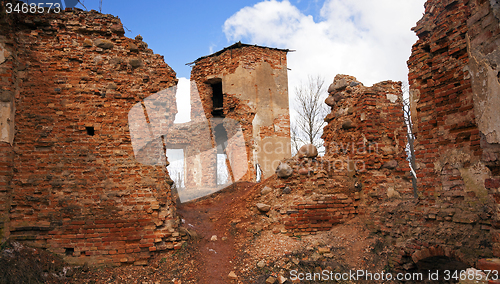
(234, 46)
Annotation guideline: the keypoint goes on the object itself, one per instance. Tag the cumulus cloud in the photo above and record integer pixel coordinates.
(368, 39)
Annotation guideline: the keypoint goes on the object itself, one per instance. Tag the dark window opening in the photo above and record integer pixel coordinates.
(90, 130)
(217, 99)
(69, 251)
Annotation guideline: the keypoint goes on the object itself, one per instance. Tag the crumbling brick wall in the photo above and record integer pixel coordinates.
(8, 86)
(440, 88)
(364, 162)
(365, 139)
(255, 87)
(453, 93)
(77, 188)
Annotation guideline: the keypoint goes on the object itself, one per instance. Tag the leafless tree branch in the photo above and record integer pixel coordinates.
(410, 150)
(311, 110)
(82, 5)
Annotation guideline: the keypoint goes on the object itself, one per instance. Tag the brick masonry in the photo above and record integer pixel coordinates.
(70, 181)
(452, 92)
(454, 88)
(255, 87)
(364, 162)
(86, 197)
(365, 138)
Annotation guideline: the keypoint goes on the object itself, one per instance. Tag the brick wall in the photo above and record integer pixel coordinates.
(365, 138)
(8, 86)
(319, 214)
(441, 89)
(77, 188)
(453, 92)
(364, 163)
(255, 88)
(6, 172)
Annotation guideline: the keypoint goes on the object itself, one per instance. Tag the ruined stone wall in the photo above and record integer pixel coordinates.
(452, 91)
(364, 162)
(255, 88)
(484, 62)
(8, 85)
(77, 187)
(365, 139)
(448, 140)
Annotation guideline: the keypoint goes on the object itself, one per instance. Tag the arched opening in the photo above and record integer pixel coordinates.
(438, 269)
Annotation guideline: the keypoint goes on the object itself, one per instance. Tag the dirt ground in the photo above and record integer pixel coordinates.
(230, 243)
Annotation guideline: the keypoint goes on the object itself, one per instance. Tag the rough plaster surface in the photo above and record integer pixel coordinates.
(261, 87)
(7, 122)
(486, 96)
(3, 53)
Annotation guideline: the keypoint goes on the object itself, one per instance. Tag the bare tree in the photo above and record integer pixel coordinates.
(311, 111)
(410, 150)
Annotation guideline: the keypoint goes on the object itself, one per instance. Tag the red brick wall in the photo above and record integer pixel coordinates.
(365, 138)
(85, 196)
(243, 111)
(320, 214)
(441, 88)
(364, 162)
(6, 172)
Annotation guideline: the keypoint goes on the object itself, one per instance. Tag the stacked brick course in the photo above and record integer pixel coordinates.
(365, 138)
(319, 214)
(77, 188)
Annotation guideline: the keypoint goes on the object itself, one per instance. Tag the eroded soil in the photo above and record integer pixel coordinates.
(226, 234)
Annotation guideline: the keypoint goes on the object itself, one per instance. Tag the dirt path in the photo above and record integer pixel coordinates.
(212, 216)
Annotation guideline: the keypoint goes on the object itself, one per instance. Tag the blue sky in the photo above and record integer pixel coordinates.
(182, 31)
(326, 33)
(368, 39)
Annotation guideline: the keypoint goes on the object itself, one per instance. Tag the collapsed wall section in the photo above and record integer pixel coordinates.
(365, 139)
(249, 85)
(8, 87)
(451, 92)
(364, 162)
(77, 188)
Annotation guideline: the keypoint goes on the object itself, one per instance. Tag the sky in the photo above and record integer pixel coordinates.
(368, 39)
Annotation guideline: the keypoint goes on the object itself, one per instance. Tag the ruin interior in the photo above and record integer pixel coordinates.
(83, 134)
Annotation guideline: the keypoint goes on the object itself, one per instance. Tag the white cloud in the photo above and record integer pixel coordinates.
(368, 39)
